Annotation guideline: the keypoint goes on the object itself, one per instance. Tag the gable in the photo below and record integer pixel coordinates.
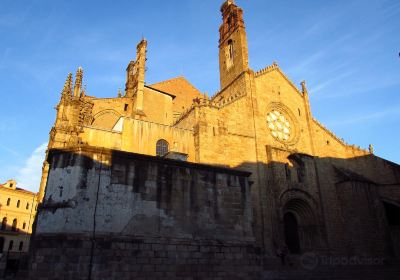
(183, 91)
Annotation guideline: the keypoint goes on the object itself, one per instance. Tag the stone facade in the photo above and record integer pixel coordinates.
(310, 191)
(17, 213)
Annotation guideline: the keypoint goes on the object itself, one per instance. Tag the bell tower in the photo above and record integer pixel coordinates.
(233, 51)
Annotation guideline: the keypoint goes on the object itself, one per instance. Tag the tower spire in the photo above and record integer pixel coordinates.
(78, 81)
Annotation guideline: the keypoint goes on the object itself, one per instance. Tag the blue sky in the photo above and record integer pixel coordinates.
(347, 51)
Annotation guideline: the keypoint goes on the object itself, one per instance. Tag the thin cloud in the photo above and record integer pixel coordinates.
(393, 111)
(361, 88)
(29, 175)
(9, 150)
(327, 83)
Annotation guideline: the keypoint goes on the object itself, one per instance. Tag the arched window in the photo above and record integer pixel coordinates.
(21, 245)
(18, 203)
(4, 224)
(14, 225)
(8, 201)
(161, 148)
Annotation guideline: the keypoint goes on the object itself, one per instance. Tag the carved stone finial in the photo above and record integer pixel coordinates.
(371, 149)
(119, 93)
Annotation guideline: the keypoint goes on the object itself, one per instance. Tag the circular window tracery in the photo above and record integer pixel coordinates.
(279, 125)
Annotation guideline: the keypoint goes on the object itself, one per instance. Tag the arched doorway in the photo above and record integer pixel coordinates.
(300, 228)
(291, 233)
(393, 220)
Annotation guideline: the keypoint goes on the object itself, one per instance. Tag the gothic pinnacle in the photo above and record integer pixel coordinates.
(67, 86)
(78, 81)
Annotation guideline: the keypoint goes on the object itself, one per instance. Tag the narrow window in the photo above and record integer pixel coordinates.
(161, 148)
(8, 201)
(126, 107)
(24, 225)
(18, 203)
(10, 245)
(14, 225)
(2, 244)
(230, 46)
(21, 245)
(4, 224)
(298, 110)
(27, 205)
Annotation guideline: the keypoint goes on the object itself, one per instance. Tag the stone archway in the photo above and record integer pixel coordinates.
(300, 226)
(106, 119)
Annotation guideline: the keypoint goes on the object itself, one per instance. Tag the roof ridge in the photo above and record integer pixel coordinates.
(169, 80)
(274, 66)
(178, 78)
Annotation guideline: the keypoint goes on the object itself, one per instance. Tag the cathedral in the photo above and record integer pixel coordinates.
(165, 181)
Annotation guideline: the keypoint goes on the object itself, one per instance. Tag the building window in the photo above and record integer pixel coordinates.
(10, 245)
(4, 224)
(24, 225)
(14, 225)
(27, 205)
(18, 203)
(230, 45)
(2, 244)
(8, 201)
(21, 245)
(161, 148)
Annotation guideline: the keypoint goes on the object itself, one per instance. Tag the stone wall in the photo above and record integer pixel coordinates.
(120, 215)
(81, 257)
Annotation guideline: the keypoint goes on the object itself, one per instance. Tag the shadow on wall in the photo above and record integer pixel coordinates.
(100, 200)
(295, 203)
(327, 205)
(114, 192)
(14, 240)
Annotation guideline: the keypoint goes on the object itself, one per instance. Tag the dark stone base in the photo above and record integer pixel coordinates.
(80, 257)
